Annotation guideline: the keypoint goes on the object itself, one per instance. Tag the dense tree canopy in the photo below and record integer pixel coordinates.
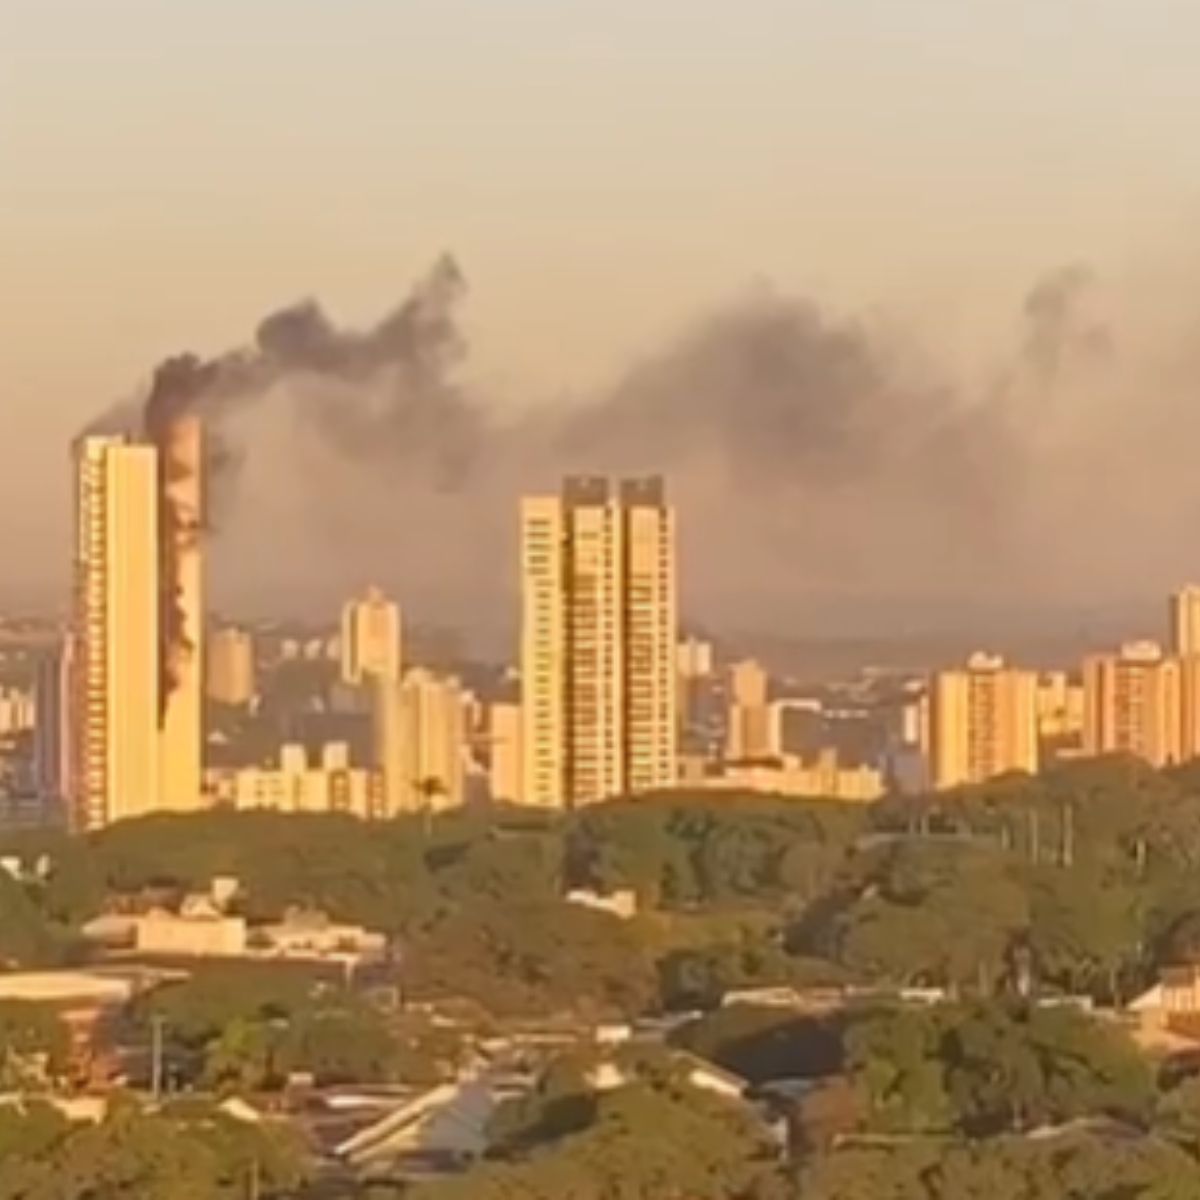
(251, 1028)
(1081, 880)
(1084, 881)
(189, 1153)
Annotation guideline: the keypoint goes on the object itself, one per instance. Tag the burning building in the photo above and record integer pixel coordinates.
(135, 729)
(181, 611)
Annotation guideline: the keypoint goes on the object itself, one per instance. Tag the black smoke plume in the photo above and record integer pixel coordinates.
(807, 452)
(179, 385)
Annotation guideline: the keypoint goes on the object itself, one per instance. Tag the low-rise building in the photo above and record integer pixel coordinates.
(196, 932)
(823, 777)
(298, 785)
(622, 904)
(306, 934)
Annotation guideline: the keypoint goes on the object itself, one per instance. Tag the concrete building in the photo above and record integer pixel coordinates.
(700, 705)
(299, 785)
(1184, 619)
(754, 729)
(824, 777)
(748, 684)
(598, 641)
(181, 695)
(231, 667)
(195, 933)
(204, 931)
(370, 643)
(308, 934)
(694, 658)
(90, 1004)
(16, 711)
(505, 765)
(982, 722)
(114, 738)
(52, 722)
(1060, 707)
(1134, 703)
(420, 735)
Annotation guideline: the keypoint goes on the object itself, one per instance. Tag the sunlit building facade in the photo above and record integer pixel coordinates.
(114, 690)
(982, 722)
(598, 641)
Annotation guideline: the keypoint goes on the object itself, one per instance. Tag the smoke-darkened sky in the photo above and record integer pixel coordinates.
(812, 454)
(917, 180)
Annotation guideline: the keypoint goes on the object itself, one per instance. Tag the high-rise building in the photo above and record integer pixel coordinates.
(982, 722)
(52, 722)
(753, 728)
(1189, 707)
(420, 736)
(505, 766)
(231, 667)
(1184, 615)
(598, 641)
(181, 620)
(1060, 708)
(370, 643)
(694, 658)
(1134, 704)
(748, 684)
(114, 738)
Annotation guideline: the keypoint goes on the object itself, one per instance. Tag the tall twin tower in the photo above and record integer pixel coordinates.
(135, 690)
(598, 634)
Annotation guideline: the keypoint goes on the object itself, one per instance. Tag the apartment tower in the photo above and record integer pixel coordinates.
(371, 639)
(52, 708)
(1184, 617)
(598, 641)
(419, 729)
(1137, 702)
(982, 722)
(114, 739)
(231, 678)
(181, 701)
(752, 726)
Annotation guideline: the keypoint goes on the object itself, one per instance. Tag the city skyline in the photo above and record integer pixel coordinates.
(606, 703)
(599, 598)
(786, 178)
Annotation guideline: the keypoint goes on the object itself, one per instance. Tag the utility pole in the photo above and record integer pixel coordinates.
(156, 1057)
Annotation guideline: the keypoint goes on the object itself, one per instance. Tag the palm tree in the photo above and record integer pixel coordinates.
(429, 789)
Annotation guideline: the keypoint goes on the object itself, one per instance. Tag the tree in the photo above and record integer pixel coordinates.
(190, 1153)
(648, 1140)
(763, 1044)
(922, 914)
(34, 1044)
(986, 1069)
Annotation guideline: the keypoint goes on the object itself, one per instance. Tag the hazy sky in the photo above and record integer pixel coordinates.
(170, 169)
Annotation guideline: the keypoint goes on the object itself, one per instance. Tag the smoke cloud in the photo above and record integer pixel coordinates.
(179, 385)
(809, 453)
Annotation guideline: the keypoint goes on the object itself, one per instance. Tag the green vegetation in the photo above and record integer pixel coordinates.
(1083, 882)
(34, 1046)
(189, 1152)
(654, 1136)
(247, 1029)
(941, 1103)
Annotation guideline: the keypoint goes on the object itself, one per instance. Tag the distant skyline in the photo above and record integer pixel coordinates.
(603, 171)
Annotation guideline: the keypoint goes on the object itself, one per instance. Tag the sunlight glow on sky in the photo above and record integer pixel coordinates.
(169, 169)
